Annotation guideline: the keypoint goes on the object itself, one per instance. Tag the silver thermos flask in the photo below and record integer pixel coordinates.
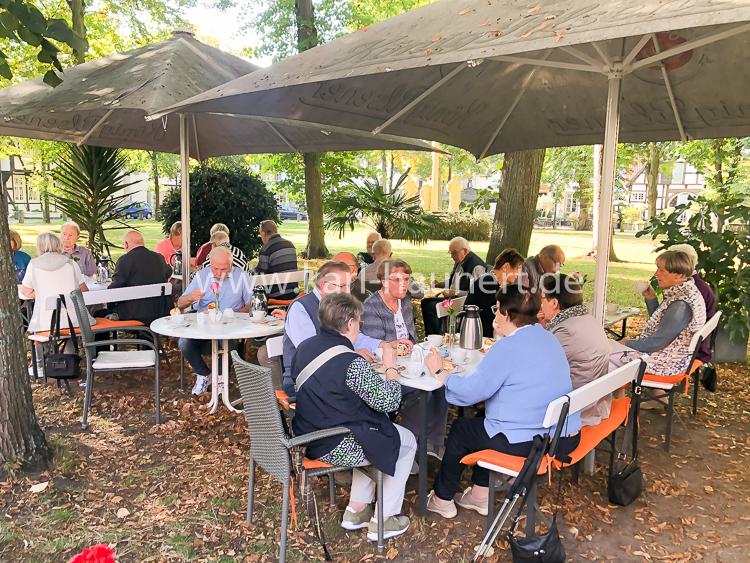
(471, 328)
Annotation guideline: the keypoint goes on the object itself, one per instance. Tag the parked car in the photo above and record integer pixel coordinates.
(136, 210)
(289, 213)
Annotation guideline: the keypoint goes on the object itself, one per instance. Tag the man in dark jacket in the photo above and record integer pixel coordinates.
(140, 266)
(277, 255)
(467, 268)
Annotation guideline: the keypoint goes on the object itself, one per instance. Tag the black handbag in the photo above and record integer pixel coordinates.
(545, 548)
(58, 364)
(625, 484)
(709, 378)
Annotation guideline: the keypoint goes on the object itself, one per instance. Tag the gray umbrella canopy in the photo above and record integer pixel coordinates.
(104, 102)
(497, 75)
(500, 75)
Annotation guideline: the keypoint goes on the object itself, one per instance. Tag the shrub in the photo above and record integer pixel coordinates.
(471, 226)
(226, 194)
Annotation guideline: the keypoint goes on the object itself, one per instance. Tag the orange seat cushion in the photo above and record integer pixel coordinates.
(510, 462)
(315, 464)
(592, 436)
(284, 302)
(676, 378)
(283, 399)
(101, 324)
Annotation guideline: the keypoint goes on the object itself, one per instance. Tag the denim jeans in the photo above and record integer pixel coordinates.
(193, 351)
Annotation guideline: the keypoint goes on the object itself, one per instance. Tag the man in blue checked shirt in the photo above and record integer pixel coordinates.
(235, 293)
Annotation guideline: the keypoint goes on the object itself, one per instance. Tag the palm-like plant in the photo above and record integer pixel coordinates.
(88, 180)
(389, 212)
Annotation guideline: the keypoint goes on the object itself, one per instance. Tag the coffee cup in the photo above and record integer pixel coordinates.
(414, 369)
(435, 339)
(458, 355)
(641, 286)
(178, 319)
(227, 315)
(378, 353)
(612, 308)
(202, 318)
(259, 315)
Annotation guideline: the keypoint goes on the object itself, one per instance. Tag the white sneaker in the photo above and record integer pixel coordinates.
(201, 384)
(445, 510)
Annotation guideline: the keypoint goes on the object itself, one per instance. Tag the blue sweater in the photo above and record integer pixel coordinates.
(521, 374)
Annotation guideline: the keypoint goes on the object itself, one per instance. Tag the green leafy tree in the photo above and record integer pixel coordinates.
(223, 192)
(723, 254)
(89, 188)
(388, 211)
(23, 25)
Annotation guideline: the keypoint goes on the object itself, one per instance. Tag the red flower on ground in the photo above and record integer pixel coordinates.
(96, 554)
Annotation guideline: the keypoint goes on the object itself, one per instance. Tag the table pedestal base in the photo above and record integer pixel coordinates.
(220, 380)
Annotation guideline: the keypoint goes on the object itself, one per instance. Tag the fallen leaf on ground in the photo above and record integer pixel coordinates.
(39, 487)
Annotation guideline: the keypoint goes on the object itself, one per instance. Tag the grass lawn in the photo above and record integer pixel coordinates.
(432, 258)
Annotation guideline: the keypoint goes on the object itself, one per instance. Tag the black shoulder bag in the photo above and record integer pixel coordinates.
(543, 548)
(59, 365)
(626, 481)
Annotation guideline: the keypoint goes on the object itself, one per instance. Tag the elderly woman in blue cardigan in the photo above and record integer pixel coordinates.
(522, 373)
(389, 316)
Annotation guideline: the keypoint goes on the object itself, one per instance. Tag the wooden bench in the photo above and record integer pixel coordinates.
(282, 278)
(591, 436)
(670, 383)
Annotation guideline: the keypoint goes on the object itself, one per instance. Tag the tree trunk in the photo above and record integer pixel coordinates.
(384, 166)
(77, 12)
(307, 38)
(516, 202)
(652, 178)
(316, 242)
(21, 438)
(584, 207)
(612, 254)
(155, 176)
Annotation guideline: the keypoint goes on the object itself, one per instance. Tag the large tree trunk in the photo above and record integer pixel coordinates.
(155, 176)
(307, 38)
(77, 13)
(652, 178)
(516, 202)
(316, 242)
(21, 438)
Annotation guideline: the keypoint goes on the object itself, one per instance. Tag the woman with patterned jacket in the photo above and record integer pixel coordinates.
(672, 324)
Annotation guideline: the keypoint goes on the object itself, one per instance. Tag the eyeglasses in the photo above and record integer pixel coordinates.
(399, 280)
(339, 285)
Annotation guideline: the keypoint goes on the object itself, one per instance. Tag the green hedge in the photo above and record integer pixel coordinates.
(471, 226)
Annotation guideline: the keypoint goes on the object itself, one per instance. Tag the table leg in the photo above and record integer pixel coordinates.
(214, 404)
(422, 454)
(225, 375)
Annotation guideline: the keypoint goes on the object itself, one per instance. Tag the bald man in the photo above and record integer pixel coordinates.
(548, 261)
(140, 266)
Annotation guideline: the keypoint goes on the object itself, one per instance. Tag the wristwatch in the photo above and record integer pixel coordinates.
(438, 372)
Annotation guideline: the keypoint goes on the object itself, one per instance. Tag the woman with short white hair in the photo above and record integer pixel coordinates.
(51, 273)
(70, 232)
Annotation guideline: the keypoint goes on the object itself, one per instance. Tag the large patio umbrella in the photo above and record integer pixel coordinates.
(104, 102)
(500, 75)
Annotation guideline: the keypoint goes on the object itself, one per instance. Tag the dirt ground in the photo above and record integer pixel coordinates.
(177, 492)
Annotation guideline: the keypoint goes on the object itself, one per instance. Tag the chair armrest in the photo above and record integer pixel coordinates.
(317, 435)
(100, 343)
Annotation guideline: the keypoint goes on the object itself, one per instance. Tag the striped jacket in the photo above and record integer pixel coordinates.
(238, 257)
(278, 255)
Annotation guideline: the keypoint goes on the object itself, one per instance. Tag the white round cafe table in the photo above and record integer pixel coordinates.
(219, 333)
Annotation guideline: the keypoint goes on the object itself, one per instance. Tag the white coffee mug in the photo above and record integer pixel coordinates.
(178, 319)
(414, 369)
(435, 339)
(612, 308)
(458, 355)
(641, 286)
(259, 315)
(227, 315)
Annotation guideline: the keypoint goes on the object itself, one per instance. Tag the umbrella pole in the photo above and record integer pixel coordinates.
(185, 198)
(604, 234)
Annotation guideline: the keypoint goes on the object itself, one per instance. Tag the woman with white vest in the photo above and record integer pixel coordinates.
(51, 273)
(335, 386)
(672, 324)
